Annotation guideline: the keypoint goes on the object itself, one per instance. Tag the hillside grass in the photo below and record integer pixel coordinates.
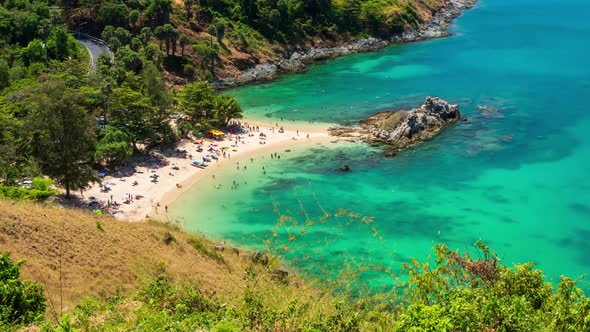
(122, 257)
(100, 274)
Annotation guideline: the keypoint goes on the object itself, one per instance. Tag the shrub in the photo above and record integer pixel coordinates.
(40, 190)
(199, 245)
(21, 302)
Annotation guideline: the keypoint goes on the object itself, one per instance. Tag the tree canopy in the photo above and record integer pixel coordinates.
(63, 134)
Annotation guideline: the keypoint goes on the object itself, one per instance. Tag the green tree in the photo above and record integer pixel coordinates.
(220, 31)
(62, 134)
(108, 32)
(113, 146)
(132, 113)
(112, 13)
(21, 302)
(58, 43)
(159, 11)
(183, 41)
(25, 26)
(35, 52)
(207, 54)
(134, 19)
(160, 34)
(123, 35)
(153, 86)
(197, 102)
(188, 6)
(9, 156)
(227, 108)
(4, 74)
(145, 35)
(152, 54)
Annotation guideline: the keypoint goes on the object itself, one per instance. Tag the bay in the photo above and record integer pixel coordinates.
(515, 175)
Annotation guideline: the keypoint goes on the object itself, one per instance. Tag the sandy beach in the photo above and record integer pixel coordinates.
(150, 186)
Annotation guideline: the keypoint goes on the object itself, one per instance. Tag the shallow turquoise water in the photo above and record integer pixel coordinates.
(515, 177)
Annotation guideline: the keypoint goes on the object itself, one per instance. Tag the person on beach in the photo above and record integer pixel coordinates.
(166, 208)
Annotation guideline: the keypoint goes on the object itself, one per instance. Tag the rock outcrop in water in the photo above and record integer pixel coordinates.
(404, 129)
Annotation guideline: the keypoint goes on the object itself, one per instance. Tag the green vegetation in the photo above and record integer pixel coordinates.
(201, 246)
(40, 190)
(393, 120)
(458, 293)
(201, 287)
(57, 119)
(21, 302)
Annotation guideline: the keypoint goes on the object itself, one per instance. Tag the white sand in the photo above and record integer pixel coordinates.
(166, 191)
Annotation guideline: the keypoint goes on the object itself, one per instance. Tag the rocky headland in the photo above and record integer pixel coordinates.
(401, 130)
(298, 60)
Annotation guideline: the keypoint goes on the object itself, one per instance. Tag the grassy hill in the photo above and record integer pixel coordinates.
(76, 255)
(100, 274)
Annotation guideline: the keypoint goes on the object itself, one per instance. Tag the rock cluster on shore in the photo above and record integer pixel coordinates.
(404, 129)
(297, 61)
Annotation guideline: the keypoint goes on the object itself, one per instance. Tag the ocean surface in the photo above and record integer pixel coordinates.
(516, 175)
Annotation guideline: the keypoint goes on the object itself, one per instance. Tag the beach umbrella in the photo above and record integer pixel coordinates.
(104, 183)
(101, 175)
(225, 148)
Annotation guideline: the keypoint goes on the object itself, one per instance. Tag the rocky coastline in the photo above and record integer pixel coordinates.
(297, 61)
(401, 130)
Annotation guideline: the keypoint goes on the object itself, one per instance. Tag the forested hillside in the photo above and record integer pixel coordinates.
(202, 39)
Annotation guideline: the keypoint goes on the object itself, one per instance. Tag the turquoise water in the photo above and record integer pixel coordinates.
(515, 175)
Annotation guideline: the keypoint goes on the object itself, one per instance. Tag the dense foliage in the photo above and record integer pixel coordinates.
(40, 189)
(458, 293)
(461, 293)
(59, 119)
(21, 302)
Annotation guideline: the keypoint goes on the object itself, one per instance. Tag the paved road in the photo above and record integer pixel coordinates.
(94, 46)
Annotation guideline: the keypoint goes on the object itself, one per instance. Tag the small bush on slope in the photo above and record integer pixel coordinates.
(21, 302)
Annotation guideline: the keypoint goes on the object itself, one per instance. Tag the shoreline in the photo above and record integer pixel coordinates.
(150, 199)
(155, 197)
(297, 62)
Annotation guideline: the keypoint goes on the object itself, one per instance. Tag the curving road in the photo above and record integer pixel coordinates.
(94, 46)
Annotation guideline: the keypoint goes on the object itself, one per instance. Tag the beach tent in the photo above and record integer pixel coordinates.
(217, 134)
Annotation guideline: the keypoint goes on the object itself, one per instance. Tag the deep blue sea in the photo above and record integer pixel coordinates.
(515, 175)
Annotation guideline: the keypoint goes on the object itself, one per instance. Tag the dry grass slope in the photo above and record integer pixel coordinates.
(94, 262)
(117, 259)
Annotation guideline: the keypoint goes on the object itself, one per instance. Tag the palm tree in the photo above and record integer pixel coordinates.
(226, 109)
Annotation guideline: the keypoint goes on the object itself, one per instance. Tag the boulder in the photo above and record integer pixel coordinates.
(417, 125)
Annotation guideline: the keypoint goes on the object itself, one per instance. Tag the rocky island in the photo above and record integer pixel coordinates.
(404, 129)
